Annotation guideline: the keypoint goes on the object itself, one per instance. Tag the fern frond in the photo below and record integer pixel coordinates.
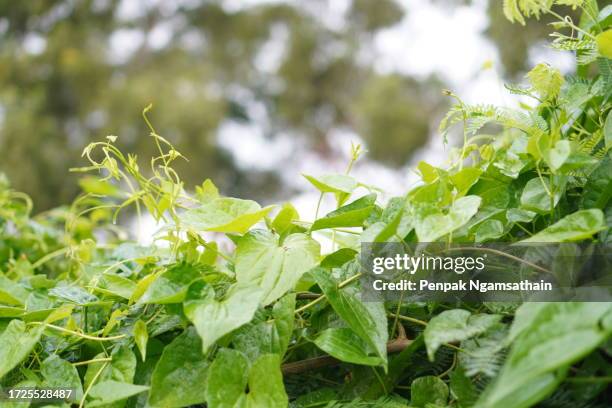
(574, 79)
(587, 56)
(588, 144)
(605, 69)
(601, 153)
(565, 43)
(546, 81)
(483, 355)
(478, 116)
(518, 90)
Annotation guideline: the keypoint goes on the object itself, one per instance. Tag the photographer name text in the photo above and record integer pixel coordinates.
(460, 285)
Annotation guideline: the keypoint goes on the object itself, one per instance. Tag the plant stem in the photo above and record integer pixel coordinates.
(409, 319)
(93, 381)
(320, 298)
(74, 333)
(95, 360)
(49, 256)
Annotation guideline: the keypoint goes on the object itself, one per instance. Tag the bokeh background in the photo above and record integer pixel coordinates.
(253, 92)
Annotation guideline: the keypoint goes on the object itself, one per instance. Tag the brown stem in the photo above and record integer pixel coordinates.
(314, 363)
(308, 295)
(401, 332)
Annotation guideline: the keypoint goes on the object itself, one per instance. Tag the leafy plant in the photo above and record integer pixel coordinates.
(238, 306)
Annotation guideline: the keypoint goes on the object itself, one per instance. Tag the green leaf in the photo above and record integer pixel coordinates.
(274, 266)
(59, 373)
(493, 192)
(535, 196)
(214, 319)
(574, 227)
(226, 214)
(73, 294)
(116, 285)
(107, 392)
(141, 337)
(428, 390)
(11, 293)
(515, 215)
(552, 336)
(230, 375)
(437, 225)
(350, 215)
(179, 377)
(338, 258)
(396, 223)
(429, 173)
(283, 221)
(16, 343)
(171, 286)
(547, 81)
(121, 368)
(9, 311)
(512, 11)
(455, 325)
(604, 43)
(488, 230)
(266, 388)
(333, 183)
(207, 191)
(598, 189)
(465, 178)
(368, 320)
(558, 155)
(529, 394)
(576, 161)
(462, 389)
(345, 345)
(269, 336)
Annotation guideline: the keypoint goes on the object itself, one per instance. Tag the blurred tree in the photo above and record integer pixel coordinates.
(514, 41)
(74, 71)
(396, 111)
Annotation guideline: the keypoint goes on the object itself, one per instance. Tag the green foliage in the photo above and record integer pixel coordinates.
(345, 345)
(239, 307)
(455, 325)
(17, 342)
(428, 391)
(213, 319)
(229, 215)
(179, 377)
(555, 336)
(350, 215)
(367, 320)
(230, 374)
(275, 266)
